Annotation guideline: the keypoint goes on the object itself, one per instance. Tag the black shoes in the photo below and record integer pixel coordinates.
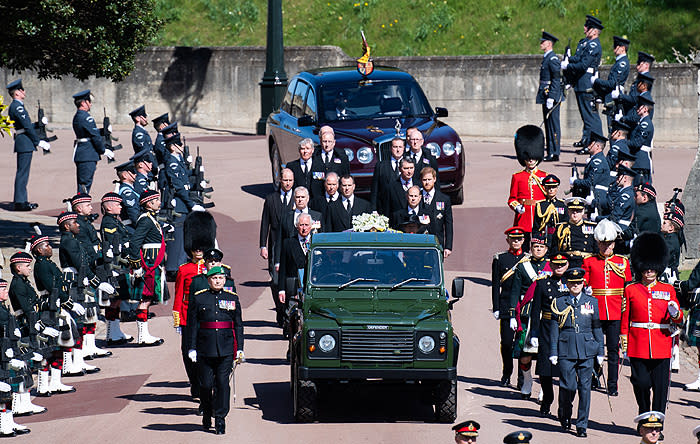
(25, 206)
(580, 144)
(525, 395)
(612, 391)
(565, 424)
(551, 158)
(544, 411)
(581, 433)
(220, 426)
(582, 151)
(505, 381)
(200, 412)
(206, 422)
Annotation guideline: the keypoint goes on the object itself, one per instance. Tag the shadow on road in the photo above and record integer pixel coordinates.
(479, 381)
(274, 399)
(170, 384)
(174, 427)
(152, 397)
(545, 427)
(479, 281)
(256, 284)
(499, 393)
(609, 428)
(178, 411)
(264, 336)
(267, 361)
(259, 323)
(259, 189)
(14, 234)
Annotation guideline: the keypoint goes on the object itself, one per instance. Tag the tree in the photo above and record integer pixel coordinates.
(82, 38)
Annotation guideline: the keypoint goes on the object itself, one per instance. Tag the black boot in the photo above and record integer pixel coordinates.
(206, 421)
(544, 410)
(220, 426)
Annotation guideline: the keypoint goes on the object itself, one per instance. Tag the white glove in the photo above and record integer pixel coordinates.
(106, 287)
(520, 209)
(192, 354)
(554, 360)
(46, 146)
(9, 353)
(189, 159)
(138, 272)
(86, 282)
(513, 324)
(197, 208)
(168, 228)
(564, 64)
(572, 179)
(534, 342)
(594, 77)
(17, 333)
(550, 103)
(589, 199)
(37, 357)
(49, 331)
(282, 296)
(618, 116)
(600, 359)
(594, 215)
(5, 387)
(615, 94)
(109, 253)
(240, 357)
(178, 330)
(109, 154)
(16, 364)
(203, 184)
(78, 309)
(673, 309)
(495, 314)
(588, 290)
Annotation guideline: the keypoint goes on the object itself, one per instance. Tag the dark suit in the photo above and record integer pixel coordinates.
(321, 204)
(384, 176)
(300, 178)
(440, 210)
(293, 259)
(397, 195)
(337, 217)
(426, 160)
(338, 164)
(401, 216)
(287, 230)
(273, 210)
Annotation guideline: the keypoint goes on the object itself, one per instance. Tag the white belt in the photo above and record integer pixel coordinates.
(161, 166)
(149, 246)
(43, 293)
(85, 139)
(650, 325)
(20, 131)
(601, 187)
(624, 222)
(126, 222)
(646, 148)
(69, 270)
(590, 70)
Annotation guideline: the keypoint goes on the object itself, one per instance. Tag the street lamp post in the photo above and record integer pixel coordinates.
(691, 192)
(274, 80)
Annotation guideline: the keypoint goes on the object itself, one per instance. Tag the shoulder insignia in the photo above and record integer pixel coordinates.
(229, 292)
(20, 109)
(589, 222)
(644, 124)
(554, 58)
(228, 267)
(89, 119)
(131, 202)
(139, 135)
(596, 161)
(111, 230)
(593, 44)
(623, 64)
(173, 165)
(201, 291)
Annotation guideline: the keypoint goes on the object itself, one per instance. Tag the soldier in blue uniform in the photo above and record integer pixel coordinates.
(549, 94)
(141, 140)
(596, 173)
(575, 344)
(159, 123)
(644, 64)
(130, 199)
(216, 335)
(622, 207)
(143, 163)
(89, 144)
(616, 77)
(641, 139)
(630, 102)
(579, 69)
(26, 141)
(618, 139)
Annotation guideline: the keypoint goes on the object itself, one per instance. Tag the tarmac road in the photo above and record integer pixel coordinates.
(141, 394)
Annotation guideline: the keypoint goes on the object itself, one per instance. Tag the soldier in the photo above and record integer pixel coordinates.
(616, 77)
(596, 174)
(89, 143)
(415, 210)
(606, 274)
(641, 139)
(575, 237)
(53, 301)
(526, 273)
(146, 252)
(650, 426)
(579, 69)
(302, 168)
(276, 205)
(141, 140)
(688, 295)
(143, 164)
(440, 206)
(650, 312)
(422, 156)
(130, 200)
(549, 95)
(550, 211)
(385, 173)
(339, 217)
(518, 437)
(622, 207)
(81, 204)
(212, 258)
(115, 245)
(646, 213)
(26, 141)
(575, 344)
(526, 186)
(542, 324)
(159, 123)
(641, 86)
(466, 432)
(672, 232)
(618, 141)
(216, 334)
(502, 271)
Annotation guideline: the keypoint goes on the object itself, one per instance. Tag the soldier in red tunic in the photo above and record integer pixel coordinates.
(650, 312)
(606, 274)
(526, 187)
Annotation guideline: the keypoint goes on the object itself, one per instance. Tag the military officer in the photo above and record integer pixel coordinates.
(650, 426)
(130, 199)
(144, 169)
(159, 123)
(575, 237)
(141, 140)
(646, 214)
(616, 77)
(579, 69)
(549, 95)
(466, 432)
(502, 272)
(385, 173)
(650, 314)
(518, 437)
(618, 141)
(439, 206)
(550, 211)
(26, 141)
(422, 156)
(606, 274)
(89, 143)
(213, 257)
(644, 63)
(543, 322)
(526, 187)
(596, 174)
(339, 217)
(641, 139)
(216, 335)
(575, 344)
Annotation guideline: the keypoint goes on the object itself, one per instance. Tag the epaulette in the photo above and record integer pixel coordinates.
(110, 230)
(226, 266)
(201, 291)
(589, 222)
(497, 255)
(229, 292)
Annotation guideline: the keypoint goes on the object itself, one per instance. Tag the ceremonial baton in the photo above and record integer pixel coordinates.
(549, 113)
(232, 376)
(607, 393)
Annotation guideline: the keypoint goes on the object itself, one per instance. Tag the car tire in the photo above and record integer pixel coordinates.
(445, 398)
(276, 165)
(457, 197)
(305, 398)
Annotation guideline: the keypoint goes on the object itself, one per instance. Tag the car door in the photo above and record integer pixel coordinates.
(281, 132)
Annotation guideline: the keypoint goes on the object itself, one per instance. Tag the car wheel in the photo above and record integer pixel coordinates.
(445, 395)
(276, 164)
(305, 400)
(457, 197)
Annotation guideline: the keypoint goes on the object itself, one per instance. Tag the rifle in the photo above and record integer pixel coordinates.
(186, 156)
(167, 213)
(567, 55)
(106, 132)
(41, 128)
(199, 188)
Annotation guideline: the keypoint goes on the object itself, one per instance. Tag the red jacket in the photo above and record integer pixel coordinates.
(526, 189)
(182, 287)
(647, 307)
(607, 279)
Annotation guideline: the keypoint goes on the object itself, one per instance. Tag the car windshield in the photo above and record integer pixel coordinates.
(372, 100)
(340, 266)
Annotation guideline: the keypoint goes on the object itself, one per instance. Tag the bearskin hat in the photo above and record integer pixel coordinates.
(648, 252)
(529, 143)
(200, 231)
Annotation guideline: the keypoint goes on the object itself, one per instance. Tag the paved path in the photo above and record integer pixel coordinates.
(141, 394)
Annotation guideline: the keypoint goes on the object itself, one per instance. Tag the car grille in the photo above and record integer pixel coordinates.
(376, 346)
(384, 150)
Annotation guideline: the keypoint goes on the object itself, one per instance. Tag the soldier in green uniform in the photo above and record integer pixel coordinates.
(550, 211)
(216, 335)
(575, 237)
(212, 258)
(646, 214)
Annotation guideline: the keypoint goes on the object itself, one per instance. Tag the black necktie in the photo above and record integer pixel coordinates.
(303, 168)
(286, 198)
(349, 207)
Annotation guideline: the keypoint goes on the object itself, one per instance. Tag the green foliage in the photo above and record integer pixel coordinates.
(6, 124)
(76, 37)
(233, 15)
(555, 5)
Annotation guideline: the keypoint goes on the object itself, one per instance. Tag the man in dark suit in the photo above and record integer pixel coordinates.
(439, 206)
(289, 222)
(397, 192)
(294, 256)
(413, 211)
(329, 158)
(421, 156)
(303, 167)
(385, 173)
(328, 197)
(276, 204)
(339, 217)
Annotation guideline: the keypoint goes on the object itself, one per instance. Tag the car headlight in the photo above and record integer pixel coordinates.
(458, 147)
(365, 155)
(350, 154)
(326, 343)
(426, 344)
(448, 148)
(434, 149)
